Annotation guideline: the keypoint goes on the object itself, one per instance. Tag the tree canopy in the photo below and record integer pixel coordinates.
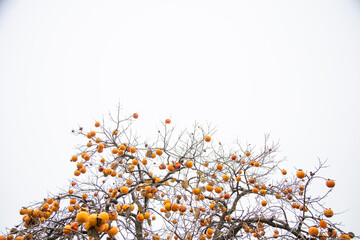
(181, 185)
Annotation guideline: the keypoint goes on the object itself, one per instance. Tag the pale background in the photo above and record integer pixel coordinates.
(289, 68)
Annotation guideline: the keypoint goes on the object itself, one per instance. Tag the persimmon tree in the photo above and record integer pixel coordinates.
(181, 185)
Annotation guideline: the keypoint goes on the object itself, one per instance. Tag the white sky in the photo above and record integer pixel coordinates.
(290, 68)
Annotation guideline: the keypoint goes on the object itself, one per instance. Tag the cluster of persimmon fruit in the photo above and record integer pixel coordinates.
(128, 168)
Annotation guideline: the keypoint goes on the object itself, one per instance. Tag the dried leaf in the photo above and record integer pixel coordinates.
(149, 152)
(93, 233)
(167, 214)
(245, 226)
(202, 189)
(185, 197)
(185, 184)
(128, 211)
(202, 179)
(149, 222)
(98, 220)
(197, 213)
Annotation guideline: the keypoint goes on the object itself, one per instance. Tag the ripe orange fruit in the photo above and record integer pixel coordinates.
(196, 191)
(79, 165)
(344, 236)
(313, 231)
(159, 152)
(77, 173)
(146, 215)
(115, 151)
(124, 189)
(322, 236)
(140, 217)
(167, 121)
(332, 233)
(22, 212)
(233, 157)
(218, 190)
(104, 216)
(135, 115)
(207, 139)
(135, 161)
(300, 174)
(330, 183)
(219, 167)
(210, 231)
(67, 229)
(189, 164)
(92, 219)
(247, 154)
(82, 217)
(227, 195)
(74, 158)
(92, 133)
(328, 213)
(226, 178)
(284, 172)
(102, 227)
(323, 224)
(131, 149)
(263, 203)
(167, 206)
(171, 168)
(112, 231)
(174, 207)
(108, 171)
(86, 157)
(97, 124)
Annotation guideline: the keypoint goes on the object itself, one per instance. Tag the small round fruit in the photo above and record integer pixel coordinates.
(330, 183)
(300, 174)
(207, 139)
(82, 217)
(328, 213)
(140, 217)
(313, 231)
(67, 229)
(196, 191)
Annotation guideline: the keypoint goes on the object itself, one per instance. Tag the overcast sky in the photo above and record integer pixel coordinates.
(289, 68)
